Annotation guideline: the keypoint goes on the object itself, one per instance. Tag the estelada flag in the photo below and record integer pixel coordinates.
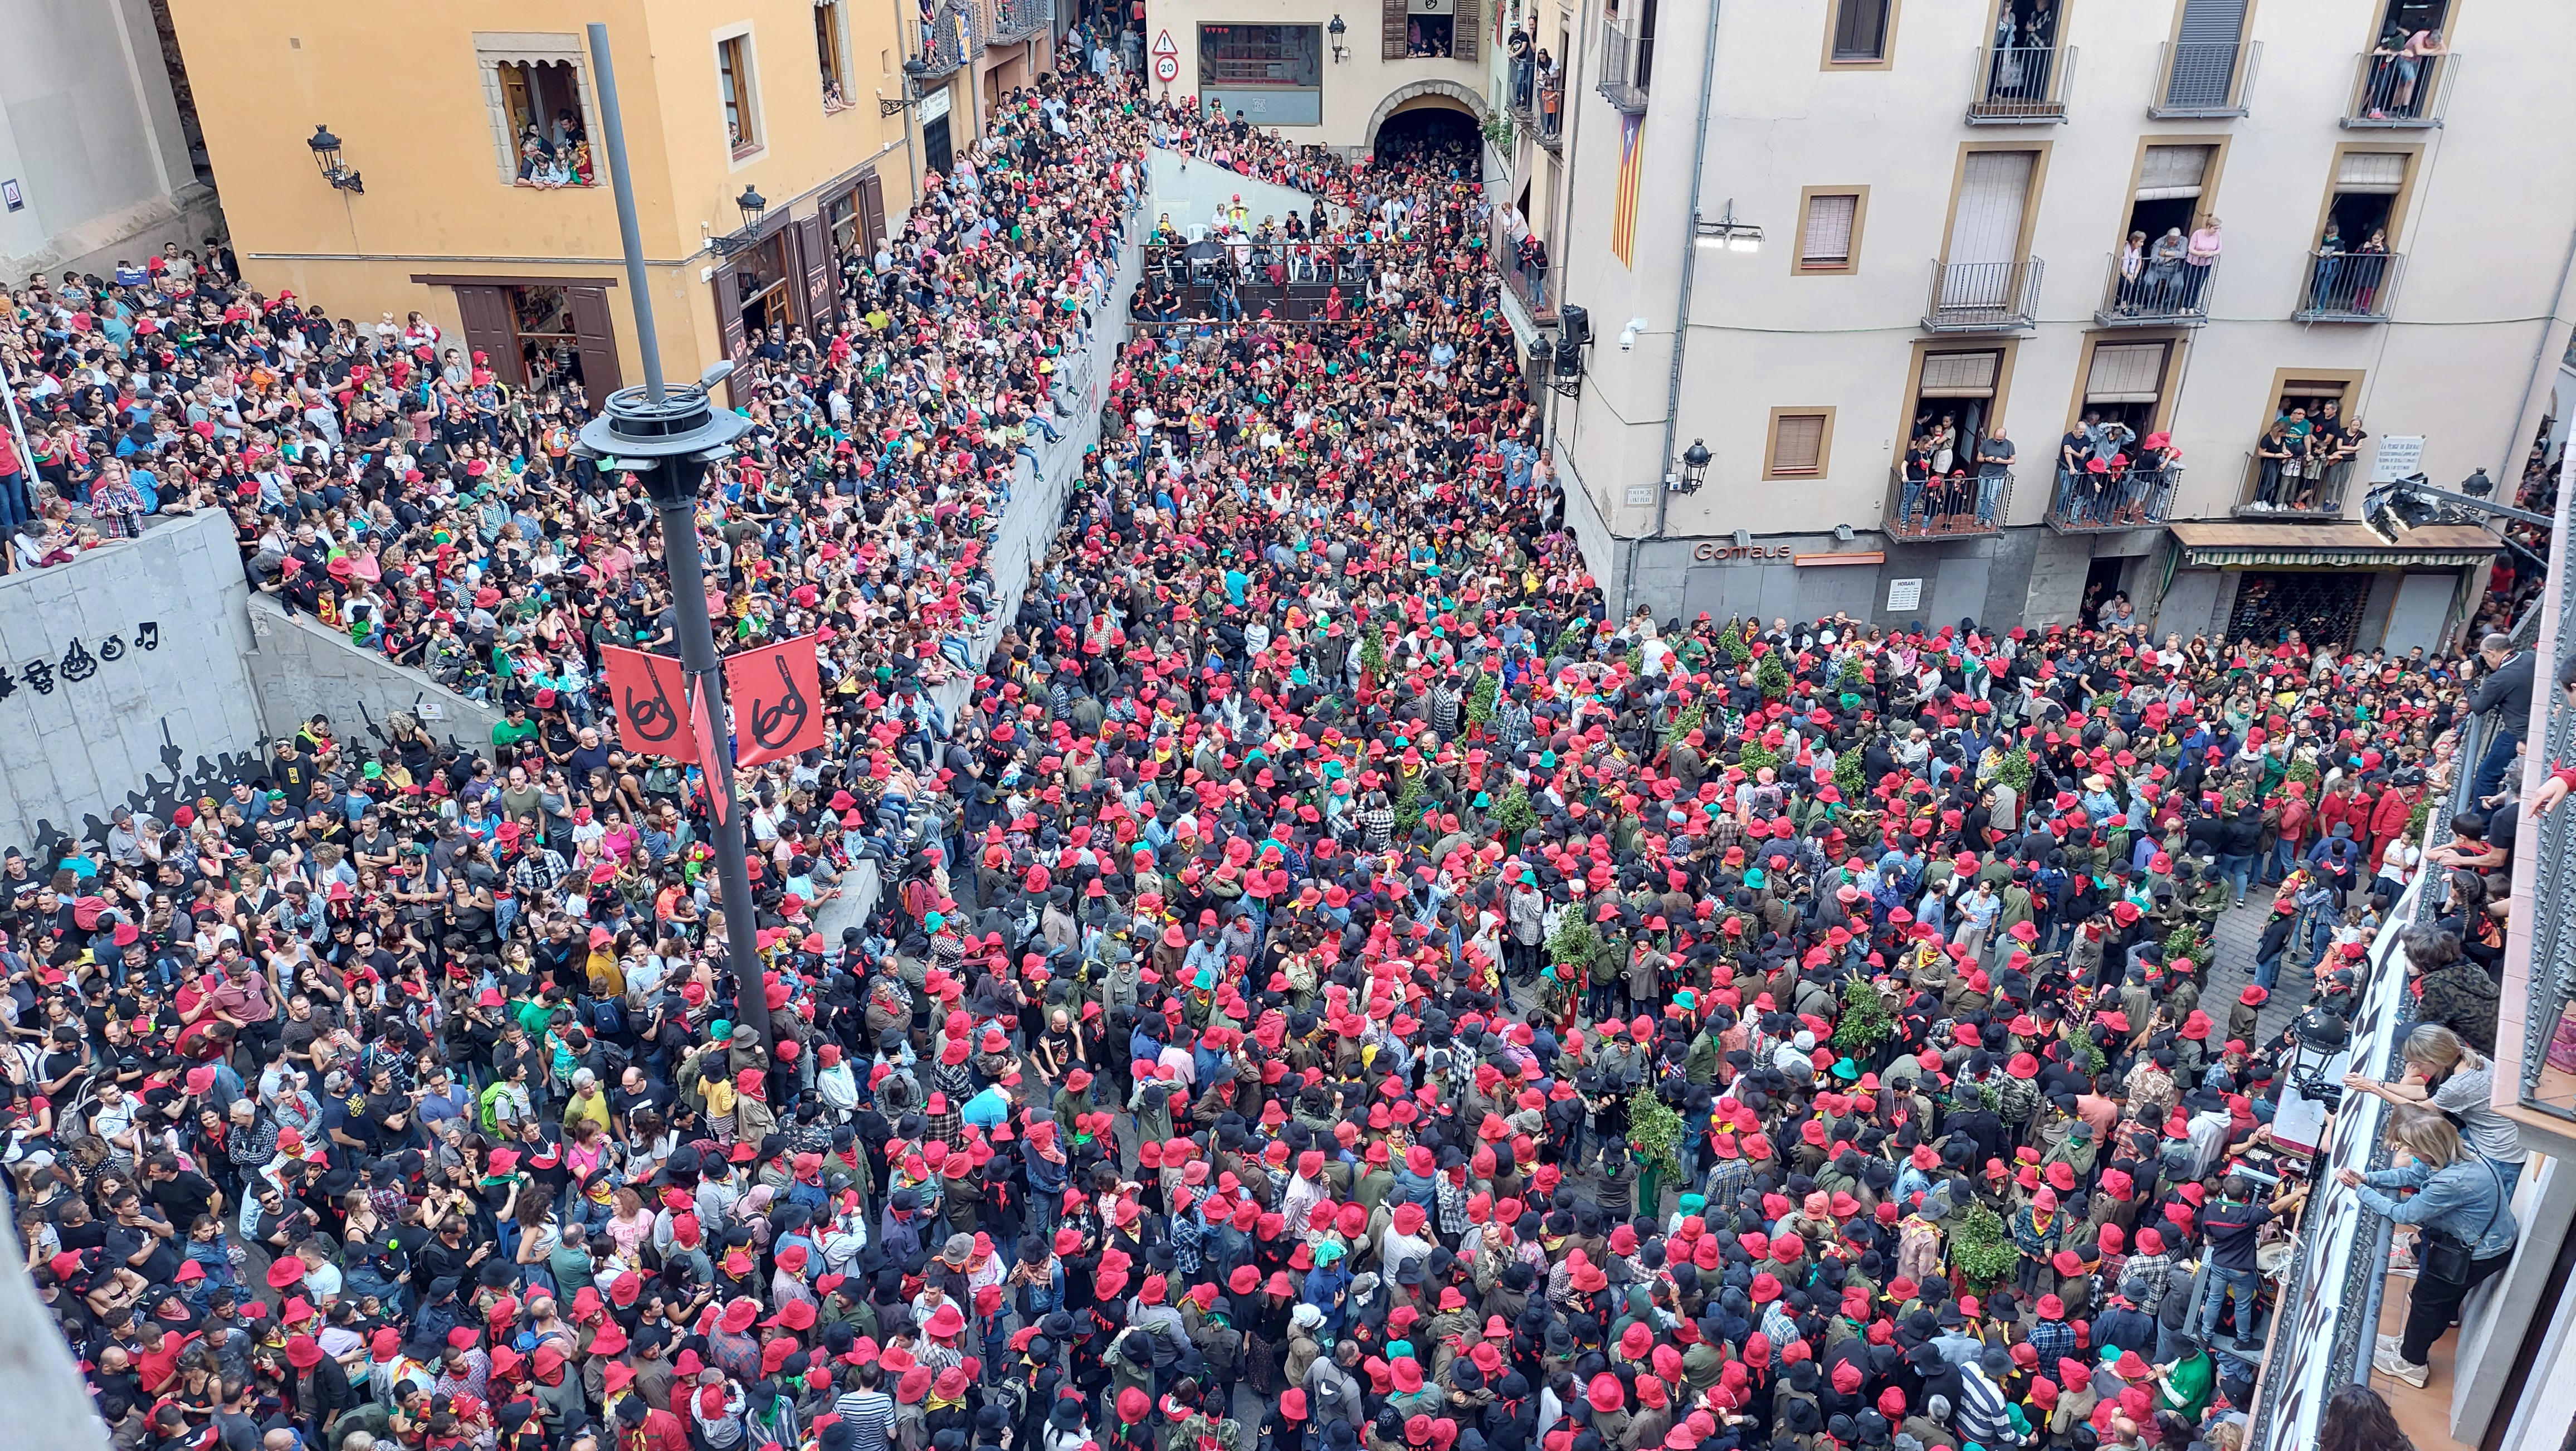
(650, 693)
(777, 696)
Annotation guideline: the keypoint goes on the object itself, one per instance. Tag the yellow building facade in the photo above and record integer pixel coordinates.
(473, 128)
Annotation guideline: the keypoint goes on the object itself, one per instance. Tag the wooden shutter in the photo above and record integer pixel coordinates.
(1395, 16)
(872, 223)
(2371, 171)
(1797, 443)
(1959, 375)
(820, 295)
(1463, 32)
(485, 312)
(2125, 373)
(1827, 242)
(737, 345)
(2171, 173)
(1993, 191)
(595, 330)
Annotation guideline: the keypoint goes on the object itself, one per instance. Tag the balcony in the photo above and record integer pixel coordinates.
(1550, 126)
(2349, 287)
(1014, 20)
(948, 40)
(2314, 493)
(2136, 497)
(2203, 79)
(2398, 92)
(1953, 506)
(1983, 297)
(1532, 285)
(1627, 65)
(2172, 296)
(2020, 84)
(1524, 91)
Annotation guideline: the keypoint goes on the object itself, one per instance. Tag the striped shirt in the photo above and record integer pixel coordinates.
(870, 1413)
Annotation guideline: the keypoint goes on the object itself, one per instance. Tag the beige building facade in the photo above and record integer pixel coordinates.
(1944, 191)
(482, 199)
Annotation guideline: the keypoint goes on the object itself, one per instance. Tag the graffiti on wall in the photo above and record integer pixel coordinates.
(157, 797)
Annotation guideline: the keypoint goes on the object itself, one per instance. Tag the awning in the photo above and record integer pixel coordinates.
(2331, 546)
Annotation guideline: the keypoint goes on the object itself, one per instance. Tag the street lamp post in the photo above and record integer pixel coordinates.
(667, 436)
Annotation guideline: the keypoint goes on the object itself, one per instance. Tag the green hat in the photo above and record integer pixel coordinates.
(719, 1030)
(373, 770)
(1845, 1068)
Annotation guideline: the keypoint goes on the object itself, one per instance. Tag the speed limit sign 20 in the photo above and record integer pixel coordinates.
(1167, 68)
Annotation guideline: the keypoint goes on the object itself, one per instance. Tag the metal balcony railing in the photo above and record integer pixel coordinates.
(2349, 286)
(2547, 915)
(1019, 19)
(2020, 83)
(2173, 295)
(1961, 504)
(1531, 284)
(2391, 89)
(1524, 88)
(2295, 490)
(949, 39)
(1551, 111)
(2203, 78)
(1627, 67)
(2133, 497)
(1970, 297)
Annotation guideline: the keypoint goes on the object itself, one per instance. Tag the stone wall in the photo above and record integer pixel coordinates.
(303, 670)
(125, 680)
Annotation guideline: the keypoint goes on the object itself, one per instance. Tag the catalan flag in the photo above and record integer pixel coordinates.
(1632, 179)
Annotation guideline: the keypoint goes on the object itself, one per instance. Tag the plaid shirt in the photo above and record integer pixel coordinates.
(536, 873)
(1188, 1233)
(2155, 1270)
(116, 506)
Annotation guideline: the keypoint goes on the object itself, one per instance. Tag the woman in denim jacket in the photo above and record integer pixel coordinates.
(2457, 1196)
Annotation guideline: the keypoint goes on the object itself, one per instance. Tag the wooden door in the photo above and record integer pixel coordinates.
(737, 344)
(485, 312)
(872, 218)
(595, 330)
(821, 295)
(1464, 34)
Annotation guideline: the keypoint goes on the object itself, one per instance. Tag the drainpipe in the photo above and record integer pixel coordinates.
(1681, 318)
(903, 81)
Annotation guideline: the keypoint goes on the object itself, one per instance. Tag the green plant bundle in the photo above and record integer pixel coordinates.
(1981, 1249)
(1772, 677)
(1657, 1132)
(1514, 814)
(1480, 705)
(1866, 1023)
(2015, 770)
(1849, 777)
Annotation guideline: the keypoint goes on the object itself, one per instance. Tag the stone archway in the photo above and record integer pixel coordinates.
(1449, 94)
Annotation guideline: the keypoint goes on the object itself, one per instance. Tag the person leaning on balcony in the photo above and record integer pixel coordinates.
(2463, 1205)
(1994, 465)
(2202, 256)
(2273, 453)
(2447, 1073)
(2164, 269)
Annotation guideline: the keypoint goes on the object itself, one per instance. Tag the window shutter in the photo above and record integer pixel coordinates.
(595, 331)
(485, 312)
(822, 296)
(2172, 173)
(1463, 32)
(1797, 442)
(2125, 373)
(1959, 375)
(2376, 171)
(1829, 231)
(872, 219)
(1395, 16)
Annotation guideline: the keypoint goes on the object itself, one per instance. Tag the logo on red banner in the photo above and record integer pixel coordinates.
(777, 697)
(648, 691)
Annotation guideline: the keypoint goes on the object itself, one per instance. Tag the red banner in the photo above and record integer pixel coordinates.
(649, 693)
(719, 783)
(777, 696)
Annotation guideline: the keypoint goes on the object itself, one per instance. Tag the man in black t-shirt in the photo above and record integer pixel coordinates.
(2232, 1224)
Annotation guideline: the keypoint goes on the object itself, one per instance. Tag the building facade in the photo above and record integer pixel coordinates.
(97, 156)
(1325, 72)
(481, 196)
(1946, 194)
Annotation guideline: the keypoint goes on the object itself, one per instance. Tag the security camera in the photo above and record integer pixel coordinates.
(1628, 334)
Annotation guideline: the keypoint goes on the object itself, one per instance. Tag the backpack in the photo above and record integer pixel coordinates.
(484, 1113)
(606, 1017)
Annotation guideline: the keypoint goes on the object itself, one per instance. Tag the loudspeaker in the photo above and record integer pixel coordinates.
(1573, 328)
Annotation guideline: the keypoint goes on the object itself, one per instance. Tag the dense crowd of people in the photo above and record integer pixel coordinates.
(1333, 987)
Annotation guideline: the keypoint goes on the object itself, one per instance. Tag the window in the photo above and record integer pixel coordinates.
(827, 56)
(1829, 230)
(733, 80)
(541, 111)
(1860, 32)
(1801, 442)
(1270, 75)
(2124, 383)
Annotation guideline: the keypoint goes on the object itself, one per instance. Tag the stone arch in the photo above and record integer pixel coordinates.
(1449, 95)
